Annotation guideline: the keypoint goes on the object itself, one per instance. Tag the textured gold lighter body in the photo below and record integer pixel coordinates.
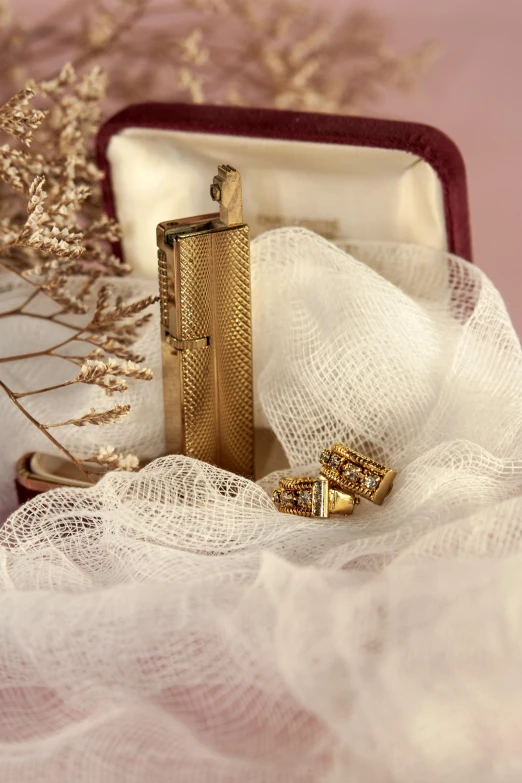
(204, 275)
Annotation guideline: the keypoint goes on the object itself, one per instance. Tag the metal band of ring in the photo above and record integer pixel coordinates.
(312, 497)
(353, 472)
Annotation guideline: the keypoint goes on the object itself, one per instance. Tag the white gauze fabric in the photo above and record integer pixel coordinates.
(172, 625)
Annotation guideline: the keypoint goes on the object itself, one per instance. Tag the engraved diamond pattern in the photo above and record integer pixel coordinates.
(195, 282)
(201, 441)
(199, 396)
(233, 329)
(214, 300)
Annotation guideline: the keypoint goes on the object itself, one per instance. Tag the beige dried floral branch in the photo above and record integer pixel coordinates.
(279, 53)
(106, 314)
(43, 429)
(100, 373)
(53, 237)
(108, 456)
(19, 118)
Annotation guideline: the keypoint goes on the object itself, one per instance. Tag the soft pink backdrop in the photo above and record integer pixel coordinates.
(473, 93)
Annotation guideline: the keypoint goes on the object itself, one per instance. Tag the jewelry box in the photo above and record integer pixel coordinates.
(346, 178)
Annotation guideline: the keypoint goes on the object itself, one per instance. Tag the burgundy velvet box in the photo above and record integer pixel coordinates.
(345, 177)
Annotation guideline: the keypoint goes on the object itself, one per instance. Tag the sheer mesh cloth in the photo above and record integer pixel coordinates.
(172, 625)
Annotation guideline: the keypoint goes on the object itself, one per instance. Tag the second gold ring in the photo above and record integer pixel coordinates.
(309, 497)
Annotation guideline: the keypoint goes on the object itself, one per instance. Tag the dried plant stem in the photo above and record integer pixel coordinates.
(60, 423)
(50, 318)
(43, 429)
(77, 360)
(44, 352)
(18, 395)
(15, 271)
(18, 310)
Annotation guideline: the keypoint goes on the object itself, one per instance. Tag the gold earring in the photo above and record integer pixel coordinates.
(353, 472)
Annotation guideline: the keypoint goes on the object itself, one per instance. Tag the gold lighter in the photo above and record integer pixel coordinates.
(206, 324)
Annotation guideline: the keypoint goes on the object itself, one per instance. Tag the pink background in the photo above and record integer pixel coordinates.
(473, 93)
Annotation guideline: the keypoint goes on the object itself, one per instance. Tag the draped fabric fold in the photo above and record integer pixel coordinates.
(172, 625)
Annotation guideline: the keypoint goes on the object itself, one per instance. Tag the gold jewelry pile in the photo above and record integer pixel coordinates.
(345, 477)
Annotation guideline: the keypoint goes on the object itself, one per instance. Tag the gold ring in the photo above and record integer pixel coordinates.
(309, 497)
(356, 473)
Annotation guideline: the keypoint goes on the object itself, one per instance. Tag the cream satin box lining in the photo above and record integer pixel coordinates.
(342, 192)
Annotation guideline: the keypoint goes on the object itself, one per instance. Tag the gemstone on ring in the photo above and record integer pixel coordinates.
(305, 497)
(325, 456)
(372, 482)
(335, 461)
(287, 498)
(352, 472)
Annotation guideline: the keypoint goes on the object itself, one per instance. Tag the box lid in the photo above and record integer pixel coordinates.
(348, 178)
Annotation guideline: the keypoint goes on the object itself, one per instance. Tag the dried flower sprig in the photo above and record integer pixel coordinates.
(279, 53)
(107, 456)
(53, 237)
(109, 374)
(19, 118)
(95, 417)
